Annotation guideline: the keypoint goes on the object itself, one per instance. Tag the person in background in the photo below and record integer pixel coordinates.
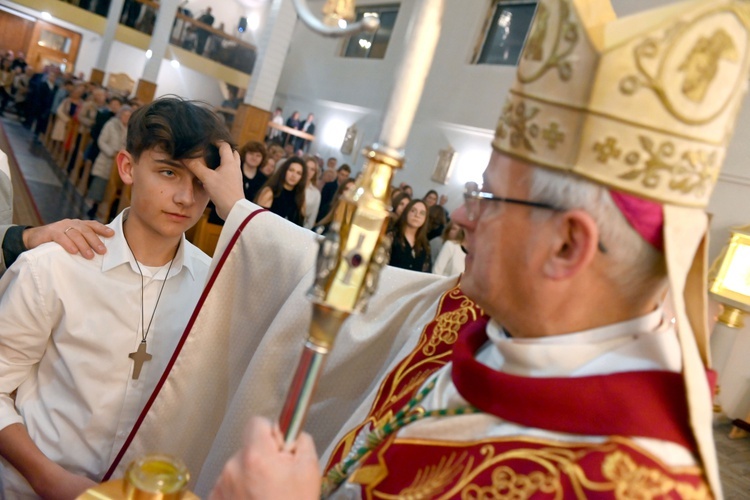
(253, 156)
(329, 174)
(312, 194)
(451, 259)
(394, 193)
(399, 204)
(202, 33)
(288, 139)
(284, 193)
(407, 189)
(64, 87)
(431, 198)
(131, 11)
(42, 92)
(110, 142)
(436, 221)
(19, 63)
(274, 134)
(66, 123)
(22, 83)
(410, 248)
(339, 209)
(307, 126)
(6, 83)
(329, 190)
(269, 167)
(103, 115)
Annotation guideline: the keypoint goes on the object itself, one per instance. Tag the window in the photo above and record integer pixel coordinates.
(505, 33)
(372, 45)
(54, 41)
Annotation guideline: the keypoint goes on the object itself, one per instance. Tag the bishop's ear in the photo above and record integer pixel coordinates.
(575, 241)
(125, 165)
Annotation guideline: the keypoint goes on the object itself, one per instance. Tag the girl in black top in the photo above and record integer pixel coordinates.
(410, 249)
(284, 193)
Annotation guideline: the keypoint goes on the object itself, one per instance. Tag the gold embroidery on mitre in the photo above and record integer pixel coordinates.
(535, 44)
(692, 171)
(562, 42)
(655, 61)
(644, 104)
(702, 63)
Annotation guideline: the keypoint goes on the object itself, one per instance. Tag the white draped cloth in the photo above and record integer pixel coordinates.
(246, 337)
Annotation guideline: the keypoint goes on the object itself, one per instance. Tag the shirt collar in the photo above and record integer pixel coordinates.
(560, 354)
(118, 252)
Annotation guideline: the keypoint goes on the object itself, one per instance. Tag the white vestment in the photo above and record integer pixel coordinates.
(246, 338)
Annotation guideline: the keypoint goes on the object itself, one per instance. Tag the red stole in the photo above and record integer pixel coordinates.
(644, 404)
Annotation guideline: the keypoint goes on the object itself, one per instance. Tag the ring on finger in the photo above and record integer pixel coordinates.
(68, 229)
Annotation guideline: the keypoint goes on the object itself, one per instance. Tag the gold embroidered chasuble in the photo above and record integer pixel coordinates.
(499, 467)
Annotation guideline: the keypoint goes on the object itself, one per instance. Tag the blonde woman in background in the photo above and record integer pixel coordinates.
(312, 193)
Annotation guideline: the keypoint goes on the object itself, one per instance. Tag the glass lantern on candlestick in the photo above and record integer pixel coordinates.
(731, 278)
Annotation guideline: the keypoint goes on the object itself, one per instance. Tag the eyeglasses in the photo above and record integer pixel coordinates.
(473, 197)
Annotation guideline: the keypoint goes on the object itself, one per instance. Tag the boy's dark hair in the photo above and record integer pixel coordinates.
(344, 167)
(182, 129)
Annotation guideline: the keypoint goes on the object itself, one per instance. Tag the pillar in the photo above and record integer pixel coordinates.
(108, 38)
(146, 89)
(253, 115)
(97, 76)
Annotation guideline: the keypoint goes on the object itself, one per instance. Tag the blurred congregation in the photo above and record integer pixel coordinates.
(81, 126)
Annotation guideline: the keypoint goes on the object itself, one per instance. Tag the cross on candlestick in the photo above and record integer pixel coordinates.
(139, 357)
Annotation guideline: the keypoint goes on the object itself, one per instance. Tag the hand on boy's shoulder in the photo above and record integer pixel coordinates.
(223, 185)
(75, 236)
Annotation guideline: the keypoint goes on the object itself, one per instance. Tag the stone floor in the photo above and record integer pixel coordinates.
(54, 196)
(734, 461)
(57, 199)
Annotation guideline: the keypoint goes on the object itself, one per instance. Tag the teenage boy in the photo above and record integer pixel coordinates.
(84, 342)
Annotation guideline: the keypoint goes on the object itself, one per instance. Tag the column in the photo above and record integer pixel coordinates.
(146, 88)
(252, 117)
(113, 20)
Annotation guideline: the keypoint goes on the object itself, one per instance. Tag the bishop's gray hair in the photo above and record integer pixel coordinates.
(636, 266)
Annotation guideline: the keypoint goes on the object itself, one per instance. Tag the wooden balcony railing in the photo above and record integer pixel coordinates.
(189, 33)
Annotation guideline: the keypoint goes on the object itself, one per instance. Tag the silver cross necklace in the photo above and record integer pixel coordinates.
(140, 356)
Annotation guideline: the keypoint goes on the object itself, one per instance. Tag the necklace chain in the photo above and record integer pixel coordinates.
(144, 329)
(407, 415)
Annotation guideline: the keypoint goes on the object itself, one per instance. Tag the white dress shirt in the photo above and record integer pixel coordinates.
(67, 325)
